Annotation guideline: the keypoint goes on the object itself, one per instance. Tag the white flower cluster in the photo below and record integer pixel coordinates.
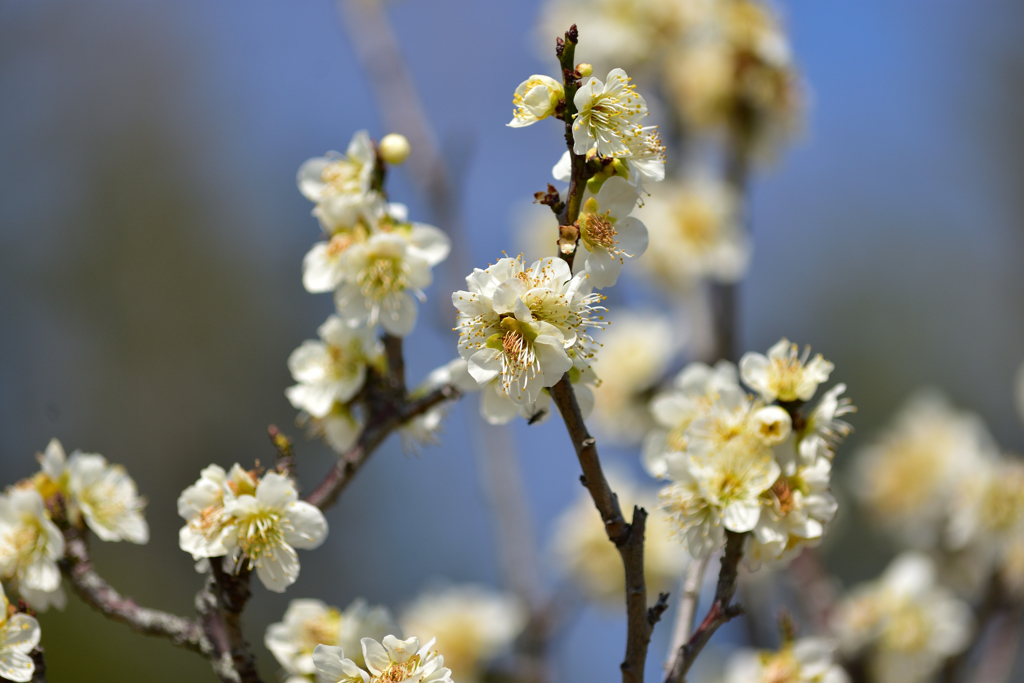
(252, 522)
(808, 660)
(391, 660)
(905, 622)
(375, 261)
(84, 489)
(743, 464)
(308, 623)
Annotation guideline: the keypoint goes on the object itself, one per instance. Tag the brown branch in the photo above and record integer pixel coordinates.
(627, 537)
(220, 606)
(566, 52)
(722, 609)
(396, 365)
(384, 419)
(97, 593)
(39, 673)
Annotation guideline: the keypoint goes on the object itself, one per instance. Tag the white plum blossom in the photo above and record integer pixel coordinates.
(823, 428)
(784, 374)
(265, 529)
(608, 234)
(332, 370)
(608, 115)
(471, 624)
(19, 636)
(30, 543)
(423, 429)
(253, 523)
(323, 178)
(107, 498)
(382, 276)
(580, 546)
(388, 661)
(308, 623)
(527, 327)
(339, 428)
(906, 622)
(808, 660)
(536, 98)
(201, 505)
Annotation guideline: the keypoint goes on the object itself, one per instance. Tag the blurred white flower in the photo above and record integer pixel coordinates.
(808, 660)
(637, 349)
(784, 374)
(906, 479)
(389, 660)
(333, 369)
(106, 497)
(823, 429)
(19, 635)
(608, 115)
(471, 624)
(581, 547)
(608, 234)
(308, 623)
(323, 178)
(526, 326)
(907, 623)
(694, 233)
(535, 99)
(30, 543)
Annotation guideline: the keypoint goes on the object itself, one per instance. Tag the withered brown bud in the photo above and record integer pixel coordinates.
(568, 235)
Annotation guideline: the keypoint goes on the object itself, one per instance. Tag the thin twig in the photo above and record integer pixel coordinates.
(722, 609)
(628, 537)
(566, 52)
(285, 452)
(97, 593)
(997, 659)
(384, 420)
(688, 599)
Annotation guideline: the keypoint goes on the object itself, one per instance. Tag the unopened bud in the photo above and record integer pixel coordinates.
(584, 69)
(394, 148)
(567, 237)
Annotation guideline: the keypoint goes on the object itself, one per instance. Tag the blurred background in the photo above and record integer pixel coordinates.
(151, 239)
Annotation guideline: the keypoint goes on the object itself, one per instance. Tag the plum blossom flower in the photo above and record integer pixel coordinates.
(323, 178)
(535, 99)
(823, 429)
(30, 543)
(526, 326)
(201, 505)
(381, 276)
(265, 528)
(107, 498)
(472, 624)
(19, 635)
(608, 115)
(808, 660)
(608, 234)
(784, 374)
(332, 370)
(389, 661)
(308, 623)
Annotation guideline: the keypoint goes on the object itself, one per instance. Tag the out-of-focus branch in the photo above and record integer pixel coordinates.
(285, 453)
(688, 599)
(219, 605)
(384, 418)
(997, 659)
(722, 609)
(39, 674)
(628, 537)
(77, 567)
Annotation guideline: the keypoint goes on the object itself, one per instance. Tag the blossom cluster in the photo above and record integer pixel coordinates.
(389, 661)
(375, 261)
(252, 522)
(807, 660)
(905, 623)
(749, 463)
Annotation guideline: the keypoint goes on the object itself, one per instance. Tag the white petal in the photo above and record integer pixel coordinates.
(741, 515)
(399, 318)
(278, 571)
(308, 526)
(20, 633)
(275, 491)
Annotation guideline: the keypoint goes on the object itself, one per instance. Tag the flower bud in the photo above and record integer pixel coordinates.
(394, 148)
(584, 69)
(536, 98)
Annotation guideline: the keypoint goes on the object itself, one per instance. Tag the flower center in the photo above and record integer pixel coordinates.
(399, 672)
(783, 495)
(382, 276)
(342, 176)
(782, 669)
(345, 360)
(209, 522)
(322, 631)
(260, 534)
(600, 231)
